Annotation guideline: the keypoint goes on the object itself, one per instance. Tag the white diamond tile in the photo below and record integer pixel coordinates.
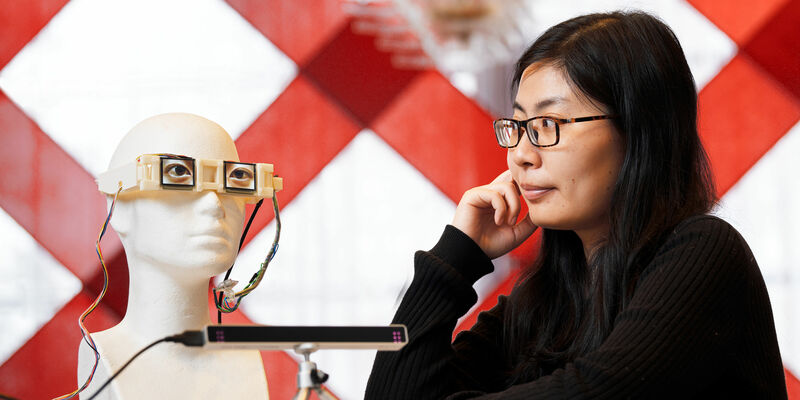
(34, 286)
(101, 66)
(765, 207)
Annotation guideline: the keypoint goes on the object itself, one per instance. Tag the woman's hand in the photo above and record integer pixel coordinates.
(488, 214)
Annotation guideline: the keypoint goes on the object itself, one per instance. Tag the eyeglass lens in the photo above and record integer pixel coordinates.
(542, 132)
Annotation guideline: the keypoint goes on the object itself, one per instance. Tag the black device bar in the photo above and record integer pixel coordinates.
(265, 337)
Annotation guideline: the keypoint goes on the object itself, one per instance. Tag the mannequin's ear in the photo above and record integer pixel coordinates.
(121, 220)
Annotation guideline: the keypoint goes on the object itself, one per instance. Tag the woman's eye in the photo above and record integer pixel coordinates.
(548, 123)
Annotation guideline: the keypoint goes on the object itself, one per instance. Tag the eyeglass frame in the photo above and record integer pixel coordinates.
(146, 174)
(558, 121)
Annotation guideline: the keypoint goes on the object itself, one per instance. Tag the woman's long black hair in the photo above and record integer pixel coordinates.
(632, 63)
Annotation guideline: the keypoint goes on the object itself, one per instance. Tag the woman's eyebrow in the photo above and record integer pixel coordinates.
(542, 104)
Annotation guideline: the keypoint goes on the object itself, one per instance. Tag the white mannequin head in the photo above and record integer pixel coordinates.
(174, 240)
(185, 234)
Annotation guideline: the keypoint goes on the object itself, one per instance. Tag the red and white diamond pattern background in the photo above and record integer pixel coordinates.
(374, 158)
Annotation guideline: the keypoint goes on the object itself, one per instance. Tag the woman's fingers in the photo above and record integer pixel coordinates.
(510, 194)
(499, 204)
(504, 183)
(502, 196)
(497, 198)
(504, 177)
(524, 229)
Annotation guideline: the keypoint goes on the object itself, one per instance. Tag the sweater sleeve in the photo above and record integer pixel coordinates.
(682, 327)
(429, 366)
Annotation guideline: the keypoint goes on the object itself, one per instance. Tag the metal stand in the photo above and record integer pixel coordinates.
(309, 378)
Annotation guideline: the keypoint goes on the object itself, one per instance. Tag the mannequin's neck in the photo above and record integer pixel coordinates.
(162, 304)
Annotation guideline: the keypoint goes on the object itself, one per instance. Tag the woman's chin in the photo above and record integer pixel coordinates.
(549, 223)
(540, 218)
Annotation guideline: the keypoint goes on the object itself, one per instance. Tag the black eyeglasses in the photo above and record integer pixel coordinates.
(542, 131)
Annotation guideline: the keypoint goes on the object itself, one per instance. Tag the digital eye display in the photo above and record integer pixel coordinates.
(177, 173)
(240, 177)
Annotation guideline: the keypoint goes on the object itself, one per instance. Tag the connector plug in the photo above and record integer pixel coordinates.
(188, 338)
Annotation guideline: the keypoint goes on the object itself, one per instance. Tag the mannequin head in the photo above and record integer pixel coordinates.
(189, 235)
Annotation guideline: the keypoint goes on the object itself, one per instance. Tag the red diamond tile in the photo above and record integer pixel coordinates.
(742, 113)
(359, 76)
(300, 133)
(739, 19)
(20, 21)
(792, 386)
(299, 28)
(49, 194)
(45, 366)
(776, 46)
(443, 134)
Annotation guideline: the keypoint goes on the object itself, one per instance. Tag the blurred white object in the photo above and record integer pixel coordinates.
(452, 35)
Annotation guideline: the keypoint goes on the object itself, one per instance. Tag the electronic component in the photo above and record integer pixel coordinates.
(303, 339)
(264, 337)
(176, 172)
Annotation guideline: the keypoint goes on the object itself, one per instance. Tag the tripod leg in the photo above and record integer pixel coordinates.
(324, 394)
(302, 394)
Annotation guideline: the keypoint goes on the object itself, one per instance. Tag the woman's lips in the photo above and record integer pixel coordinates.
(532, 193)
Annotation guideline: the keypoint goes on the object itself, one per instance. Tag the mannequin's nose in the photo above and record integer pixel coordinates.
(210, 204)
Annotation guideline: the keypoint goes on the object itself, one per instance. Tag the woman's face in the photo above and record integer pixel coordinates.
(567, 186)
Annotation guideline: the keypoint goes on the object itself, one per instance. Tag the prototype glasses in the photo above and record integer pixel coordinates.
(175, 172)
(542, 131)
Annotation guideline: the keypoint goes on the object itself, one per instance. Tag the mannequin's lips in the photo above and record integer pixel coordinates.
(533, 192)
(212, 235)
(212, 242)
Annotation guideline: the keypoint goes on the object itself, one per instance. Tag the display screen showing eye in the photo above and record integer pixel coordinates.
(177, 172)
(240, 176)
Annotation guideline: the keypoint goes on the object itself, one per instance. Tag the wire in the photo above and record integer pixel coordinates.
(225, 301)
(125, 366)
(87, 337)
(241, 242)
(188, 338)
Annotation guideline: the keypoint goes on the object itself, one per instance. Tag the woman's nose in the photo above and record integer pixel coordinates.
(525, 154)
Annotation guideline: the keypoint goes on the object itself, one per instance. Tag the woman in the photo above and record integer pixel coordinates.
(636, 291)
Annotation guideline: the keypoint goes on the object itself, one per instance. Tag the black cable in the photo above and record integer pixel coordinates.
(241, 242)
(187, 338)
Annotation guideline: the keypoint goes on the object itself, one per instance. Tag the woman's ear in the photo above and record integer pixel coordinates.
(121, 219)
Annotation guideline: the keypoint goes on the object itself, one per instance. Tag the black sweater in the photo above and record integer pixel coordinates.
(699, 325)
